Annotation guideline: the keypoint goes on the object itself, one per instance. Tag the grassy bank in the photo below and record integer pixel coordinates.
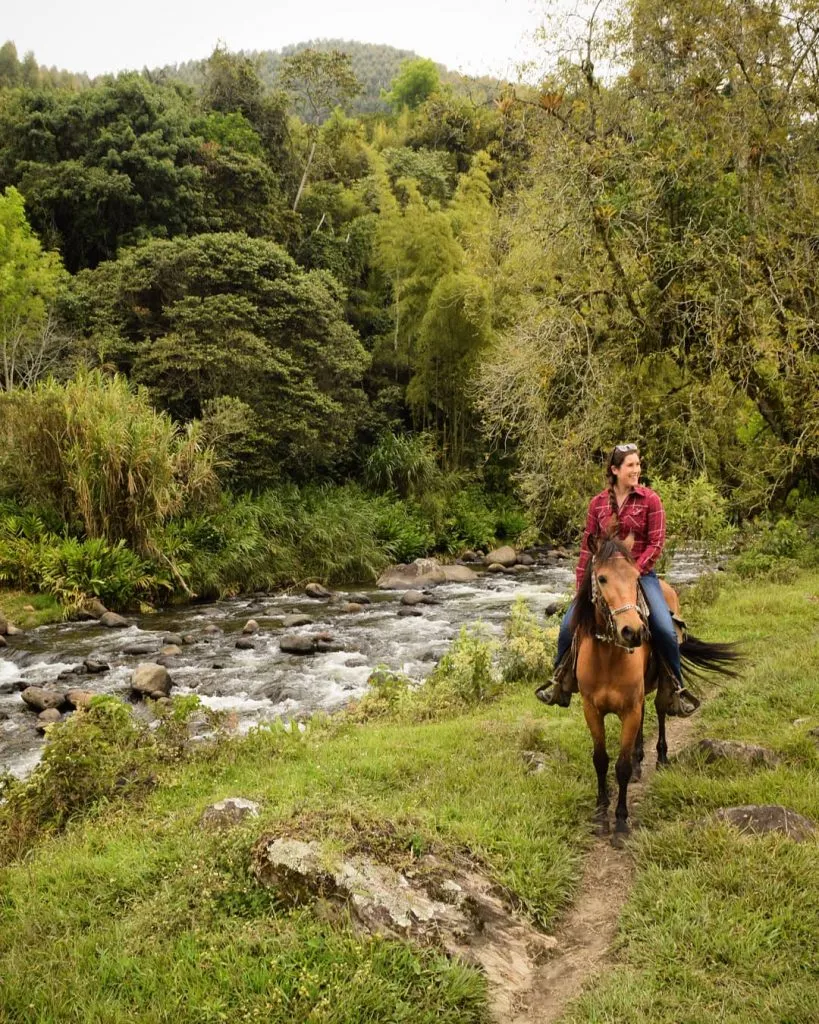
(135, 914)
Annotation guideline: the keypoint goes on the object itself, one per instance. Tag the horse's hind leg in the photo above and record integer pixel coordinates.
(600, 759)
(662, 745)
(630, 726)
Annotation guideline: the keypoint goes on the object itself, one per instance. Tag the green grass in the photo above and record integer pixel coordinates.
(16, 606)
(721, 927)
(136, 915)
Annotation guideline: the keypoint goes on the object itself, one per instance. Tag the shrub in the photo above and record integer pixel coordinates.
(528, 650)
(404, 463)
(465, 676)
(696, 513)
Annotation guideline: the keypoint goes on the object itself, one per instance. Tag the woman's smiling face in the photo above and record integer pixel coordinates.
(628, 472)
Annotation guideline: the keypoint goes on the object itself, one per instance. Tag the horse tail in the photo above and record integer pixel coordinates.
(700, 656)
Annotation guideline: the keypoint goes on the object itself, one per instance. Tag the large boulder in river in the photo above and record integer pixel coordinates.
(459, 574)
(151, 680)
(504, 556)
(41, 699)
(423, 572)
(113, 621)
(294, 644)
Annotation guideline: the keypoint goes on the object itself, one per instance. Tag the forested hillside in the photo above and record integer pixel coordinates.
(250, 299)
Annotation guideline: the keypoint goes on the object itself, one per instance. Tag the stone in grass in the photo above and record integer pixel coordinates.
(151, 680)
(758, 819)
(456, 909)
(233, 810)
(712, 751)
(40, 699)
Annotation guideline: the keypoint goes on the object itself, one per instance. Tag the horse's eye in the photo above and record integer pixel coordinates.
(602, 579)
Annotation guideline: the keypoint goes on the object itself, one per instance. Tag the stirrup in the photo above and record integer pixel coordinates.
(553, 695)
(682, 703)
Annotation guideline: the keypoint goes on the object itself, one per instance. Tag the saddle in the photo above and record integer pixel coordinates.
(670, 699)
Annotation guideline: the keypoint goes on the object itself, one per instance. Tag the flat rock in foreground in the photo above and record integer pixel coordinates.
(454, 909)
(758, 819)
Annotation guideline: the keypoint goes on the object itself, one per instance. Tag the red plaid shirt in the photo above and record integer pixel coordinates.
(641, 514)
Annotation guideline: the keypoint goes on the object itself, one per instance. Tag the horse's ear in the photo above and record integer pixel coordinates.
(592, 543)
(628, 543)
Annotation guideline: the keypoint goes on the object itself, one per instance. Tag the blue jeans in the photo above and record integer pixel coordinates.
(663, 634)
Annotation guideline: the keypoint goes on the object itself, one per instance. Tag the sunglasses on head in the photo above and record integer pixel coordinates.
(626, 448)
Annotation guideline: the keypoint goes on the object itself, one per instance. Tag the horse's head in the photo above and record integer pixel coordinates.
(614, 579)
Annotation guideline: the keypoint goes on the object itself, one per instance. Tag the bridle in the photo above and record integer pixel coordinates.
(611, 634)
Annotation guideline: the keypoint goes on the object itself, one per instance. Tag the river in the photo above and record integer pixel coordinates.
(263, 683)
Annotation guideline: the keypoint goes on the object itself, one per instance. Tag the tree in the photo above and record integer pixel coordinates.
(29, 281)
(224, 315)
(415, 82)
(318, 82)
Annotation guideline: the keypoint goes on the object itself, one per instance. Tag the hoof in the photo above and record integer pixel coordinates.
(618, 840)
(636, 773)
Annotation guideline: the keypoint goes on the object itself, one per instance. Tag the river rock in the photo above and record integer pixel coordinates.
(352, 608)
(233, 810)
(360, 598)
(469, 556)
(494, 567)
(12, 630)
(292, 621)
(113, 621)
(459, 574)
(79, 698)
(250, 627)
(409, 611)
(317, 591)
(525, 559)
(188, 639)
(95, 666)
(47, 718)
(413, 597)
(151, 679)
(173, 638)
(94, 607)
(212, 629)
(41, 699)
(171, 651)
(3, 624)
(423, 572)
(140, 647)
(244, 643)
(295, 644)
(3, 642)
(757, 819)
(551, 608)
(712, 751)
(504, 556)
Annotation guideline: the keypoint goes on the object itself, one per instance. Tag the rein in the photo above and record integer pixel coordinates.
(611, 635)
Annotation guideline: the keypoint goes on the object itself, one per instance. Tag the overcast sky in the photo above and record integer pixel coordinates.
(97, 36)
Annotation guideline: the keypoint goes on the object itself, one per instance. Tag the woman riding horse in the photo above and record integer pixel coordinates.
(627, 510)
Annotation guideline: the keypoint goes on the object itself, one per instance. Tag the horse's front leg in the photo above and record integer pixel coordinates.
(637, 757)
(600, 759)
(662, 745)
(630, 726)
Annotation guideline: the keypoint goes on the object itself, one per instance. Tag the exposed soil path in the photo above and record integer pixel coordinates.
(585, 934)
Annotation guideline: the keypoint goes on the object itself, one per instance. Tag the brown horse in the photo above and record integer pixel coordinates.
(615, 669)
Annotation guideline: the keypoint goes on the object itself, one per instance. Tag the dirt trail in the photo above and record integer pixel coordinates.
(585, 934)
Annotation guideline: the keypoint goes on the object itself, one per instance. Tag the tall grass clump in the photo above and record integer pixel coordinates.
(402, 463)
(96, 451)
(696, 513)
(528, 649)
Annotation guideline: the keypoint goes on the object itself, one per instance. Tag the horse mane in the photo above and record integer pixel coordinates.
(584, 614)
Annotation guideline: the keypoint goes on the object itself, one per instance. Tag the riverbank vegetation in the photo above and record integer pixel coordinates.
(245, 303)
(119, 880)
